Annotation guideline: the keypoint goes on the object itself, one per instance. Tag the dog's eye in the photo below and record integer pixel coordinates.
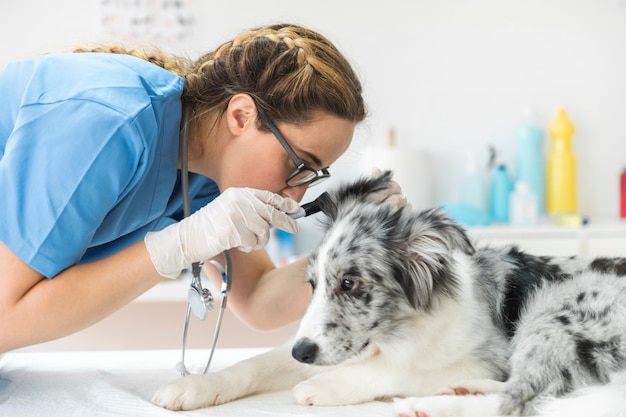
(349, 284)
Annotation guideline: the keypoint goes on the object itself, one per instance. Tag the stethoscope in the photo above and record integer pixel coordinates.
(199, 299)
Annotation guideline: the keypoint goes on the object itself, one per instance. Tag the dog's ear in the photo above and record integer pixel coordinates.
(440, 227)
(433, 241)
(363, 189)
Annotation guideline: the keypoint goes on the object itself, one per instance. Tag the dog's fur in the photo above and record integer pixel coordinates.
(404, 305)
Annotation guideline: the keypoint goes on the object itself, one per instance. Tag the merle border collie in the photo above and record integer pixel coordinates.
(406, 307)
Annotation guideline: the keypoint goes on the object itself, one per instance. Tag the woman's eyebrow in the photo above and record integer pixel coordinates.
(312, 158)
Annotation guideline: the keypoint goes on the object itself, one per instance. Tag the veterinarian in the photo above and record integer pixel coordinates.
(91, 209)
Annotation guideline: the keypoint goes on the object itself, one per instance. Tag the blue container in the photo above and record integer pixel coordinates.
(474, 186)
(501, 187)
(529, 163)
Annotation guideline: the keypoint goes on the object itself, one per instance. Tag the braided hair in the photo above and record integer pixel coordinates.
(289, 70)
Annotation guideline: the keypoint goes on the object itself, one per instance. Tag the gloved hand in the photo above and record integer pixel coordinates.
(392, 195)
(239, 218)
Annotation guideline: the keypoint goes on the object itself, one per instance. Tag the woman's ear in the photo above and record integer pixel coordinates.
(241, 113)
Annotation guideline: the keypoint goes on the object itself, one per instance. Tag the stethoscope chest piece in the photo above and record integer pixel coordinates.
(197, 297)
(200, 299)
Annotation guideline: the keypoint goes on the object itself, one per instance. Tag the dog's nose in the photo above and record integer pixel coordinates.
(305, 351)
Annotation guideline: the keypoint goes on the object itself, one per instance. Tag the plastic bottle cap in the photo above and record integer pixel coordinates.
(561, 125)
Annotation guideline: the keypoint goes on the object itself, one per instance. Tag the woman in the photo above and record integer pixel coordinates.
(91, 209)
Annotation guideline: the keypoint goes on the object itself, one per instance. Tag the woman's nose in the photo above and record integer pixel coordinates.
(295, 193)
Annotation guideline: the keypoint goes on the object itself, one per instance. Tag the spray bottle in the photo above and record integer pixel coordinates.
(561, 167)
(501, 187)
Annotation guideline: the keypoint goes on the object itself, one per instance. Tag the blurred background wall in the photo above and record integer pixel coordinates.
(450, 77)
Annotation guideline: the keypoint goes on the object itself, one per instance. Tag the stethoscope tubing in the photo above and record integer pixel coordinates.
(196, 267)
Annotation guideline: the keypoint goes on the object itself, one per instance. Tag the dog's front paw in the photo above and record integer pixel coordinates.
(320, 390)
(446, 406)
(425, 407)
(194, 391)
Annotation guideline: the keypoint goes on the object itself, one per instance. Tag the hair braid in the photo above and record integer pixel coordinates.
(289, 70)
(176, 64)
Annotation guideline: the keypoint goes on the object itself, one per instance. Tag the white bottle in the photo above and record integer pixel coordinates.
(522, 205)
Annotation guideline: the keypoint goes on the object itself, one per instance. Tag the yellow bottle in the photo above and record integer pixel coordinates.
(561, 169)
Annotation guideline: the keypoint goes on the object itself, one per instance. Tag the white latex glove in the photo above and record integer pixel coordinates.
(239, 218)
(392, 195)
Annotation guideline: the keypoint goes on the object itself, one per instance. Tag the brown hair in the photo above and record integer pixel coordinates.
(289, 70)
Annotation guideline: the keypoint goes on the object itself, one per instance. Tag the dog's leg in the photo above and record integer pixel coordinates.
(380, 377)
(375, 377)
(342, 386)
(362, 381)
(274, 370)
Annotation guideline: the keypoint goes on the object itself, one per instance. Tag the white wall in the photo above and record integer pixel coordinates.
(448, 75)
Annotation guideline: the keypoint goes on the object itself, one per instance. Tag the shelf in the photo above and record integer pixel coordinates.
(600, 228)
(600, 238)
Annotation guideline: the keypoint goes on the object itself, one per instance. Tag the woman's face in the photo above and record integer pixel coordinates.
(258, 160)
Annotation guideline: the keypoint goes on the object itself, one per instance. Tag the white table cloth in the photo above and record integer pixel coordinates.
(121, 384)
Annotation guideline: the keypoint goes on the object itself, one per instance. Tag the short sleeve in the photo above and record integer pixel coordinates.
(65, 165)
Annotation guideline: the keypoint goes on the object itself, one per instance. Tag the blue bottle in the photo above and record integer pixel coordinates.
(473, 188)
(501, 187)
(529, 162)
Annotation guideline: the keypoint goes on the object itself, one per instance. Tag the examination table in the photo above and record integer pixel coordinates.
(121, 384)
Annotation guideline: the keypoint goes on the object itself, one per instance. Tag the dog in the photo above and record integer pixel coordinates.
(406, 307)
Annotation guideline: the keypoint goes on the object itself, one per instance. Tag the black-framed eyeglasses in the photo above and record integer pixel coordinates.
(303, 174)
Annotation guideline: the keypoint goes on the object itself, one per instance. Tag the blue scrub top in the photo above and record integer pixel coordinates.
(88, 156)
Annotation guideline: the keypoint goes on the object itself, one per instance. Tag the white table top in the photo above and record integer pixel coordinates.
(121, 384)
